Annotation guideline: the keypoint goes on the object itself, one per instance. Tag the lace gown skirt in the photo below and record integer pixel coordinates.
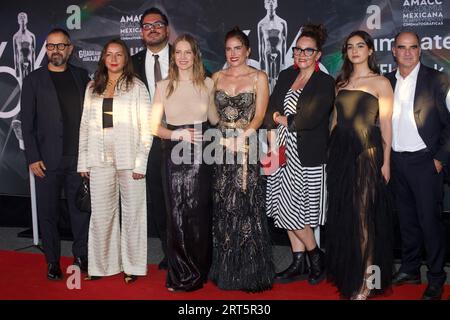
(242, 257)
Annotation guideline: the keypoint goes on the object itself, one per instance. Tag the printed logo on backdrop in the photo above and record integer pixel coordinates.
(423, 13)
(130, 28)
(89, 55)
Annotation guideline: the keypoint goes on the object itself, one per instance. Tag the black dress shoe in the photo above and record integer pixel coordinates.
(163, 265)
(82, 263)
(405, 278)
(54, 271)
(433, 292)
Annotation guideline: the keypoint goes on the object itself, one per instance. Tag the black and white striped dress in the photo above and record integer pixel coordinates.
(296, 195)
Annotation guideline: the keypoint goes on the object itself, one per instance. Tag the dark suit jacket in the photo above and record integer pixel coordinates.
(139, 64)
(42, 123)
(313, 112)
(430, 111)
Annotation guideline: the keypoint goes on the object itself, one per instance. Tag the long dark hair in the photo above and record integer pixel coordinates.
(347, 68)
(198, 70)
(101, 75)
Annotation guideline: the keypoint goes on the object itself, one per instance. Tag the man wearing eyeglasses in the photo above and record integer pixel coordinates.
(51, 107)
(152, 65)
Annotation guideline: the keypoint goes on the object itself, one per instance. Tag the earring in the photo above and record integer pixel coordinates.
(316, 68)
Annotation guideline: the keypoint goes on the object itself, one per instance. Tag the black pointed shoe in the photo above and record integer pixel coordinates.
(54, 272)
(316, 266)
(433, 292)
(82, 263)
(405, 278)
(297, 271)
(163, 265)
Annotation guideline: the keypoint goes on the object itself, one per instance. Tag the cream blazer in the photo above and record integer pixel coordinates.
(132, 132)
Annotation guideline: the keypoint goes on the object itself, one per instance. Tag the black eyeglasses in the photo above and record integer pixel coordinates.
(307, 51)
(59, 46)
(154, 25)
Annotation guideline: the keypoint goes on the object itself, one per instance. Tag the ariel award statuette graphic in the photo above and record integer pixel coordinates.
(272, 41)
(24, 44)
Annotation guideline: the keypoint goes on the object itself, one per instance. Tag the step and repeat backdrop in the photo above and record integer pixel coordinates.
(271, 25)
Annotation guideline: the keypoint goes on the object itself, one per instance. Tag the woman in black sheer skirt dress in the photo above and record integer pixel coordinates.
(359, 229)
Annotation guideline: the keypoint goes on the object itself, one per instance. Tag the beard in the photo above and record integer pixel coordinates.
(57, 59)
(155, 41)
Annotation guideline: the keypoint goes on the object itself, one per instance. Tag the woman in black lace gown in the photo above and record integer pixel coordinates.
(242, 257)
(359, 230)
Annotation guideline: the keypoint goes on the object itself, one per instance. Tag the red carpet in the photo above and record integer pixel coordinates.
(23, 276)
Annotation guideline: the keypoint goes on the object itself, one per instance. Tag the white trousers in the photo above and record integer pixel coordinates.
(116, 243)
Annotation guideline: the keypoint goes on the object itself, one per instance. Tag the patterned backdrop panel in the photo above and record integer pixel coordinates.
(272, 26)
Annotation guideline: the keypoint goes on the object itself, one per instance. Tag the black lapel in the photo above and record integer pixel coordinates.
(141, 66)
(290, 78)
(170, 52)
(307, 92)
(420, 95)
(392, 79)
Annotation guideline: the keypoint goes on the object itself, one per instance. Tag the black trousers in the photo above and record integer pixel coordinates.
(419, 191)
(156, 204)
(48, 194)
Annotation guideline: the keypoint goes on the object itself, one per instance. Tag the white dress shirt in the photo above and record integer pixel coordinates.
(447, 100)
(150, 65)
(405, 134)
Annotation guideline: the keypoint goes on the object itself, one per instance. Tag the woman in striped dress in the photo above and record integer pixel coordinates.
(300, 105)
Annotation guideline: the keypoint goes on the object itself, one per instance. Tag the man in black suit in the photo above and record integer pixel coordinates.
(51, 108)
(152, 65)
(421, 149)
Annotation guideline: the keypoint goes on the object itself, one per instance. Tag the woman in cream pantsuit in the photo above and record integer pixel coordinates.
(115, 139)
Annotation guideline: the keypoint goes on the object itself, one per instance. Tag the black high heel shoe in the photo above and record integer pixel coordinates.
(129, 278)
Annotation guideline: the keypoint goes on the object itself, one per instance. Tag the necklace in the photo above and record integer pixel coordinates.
(111, 83)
